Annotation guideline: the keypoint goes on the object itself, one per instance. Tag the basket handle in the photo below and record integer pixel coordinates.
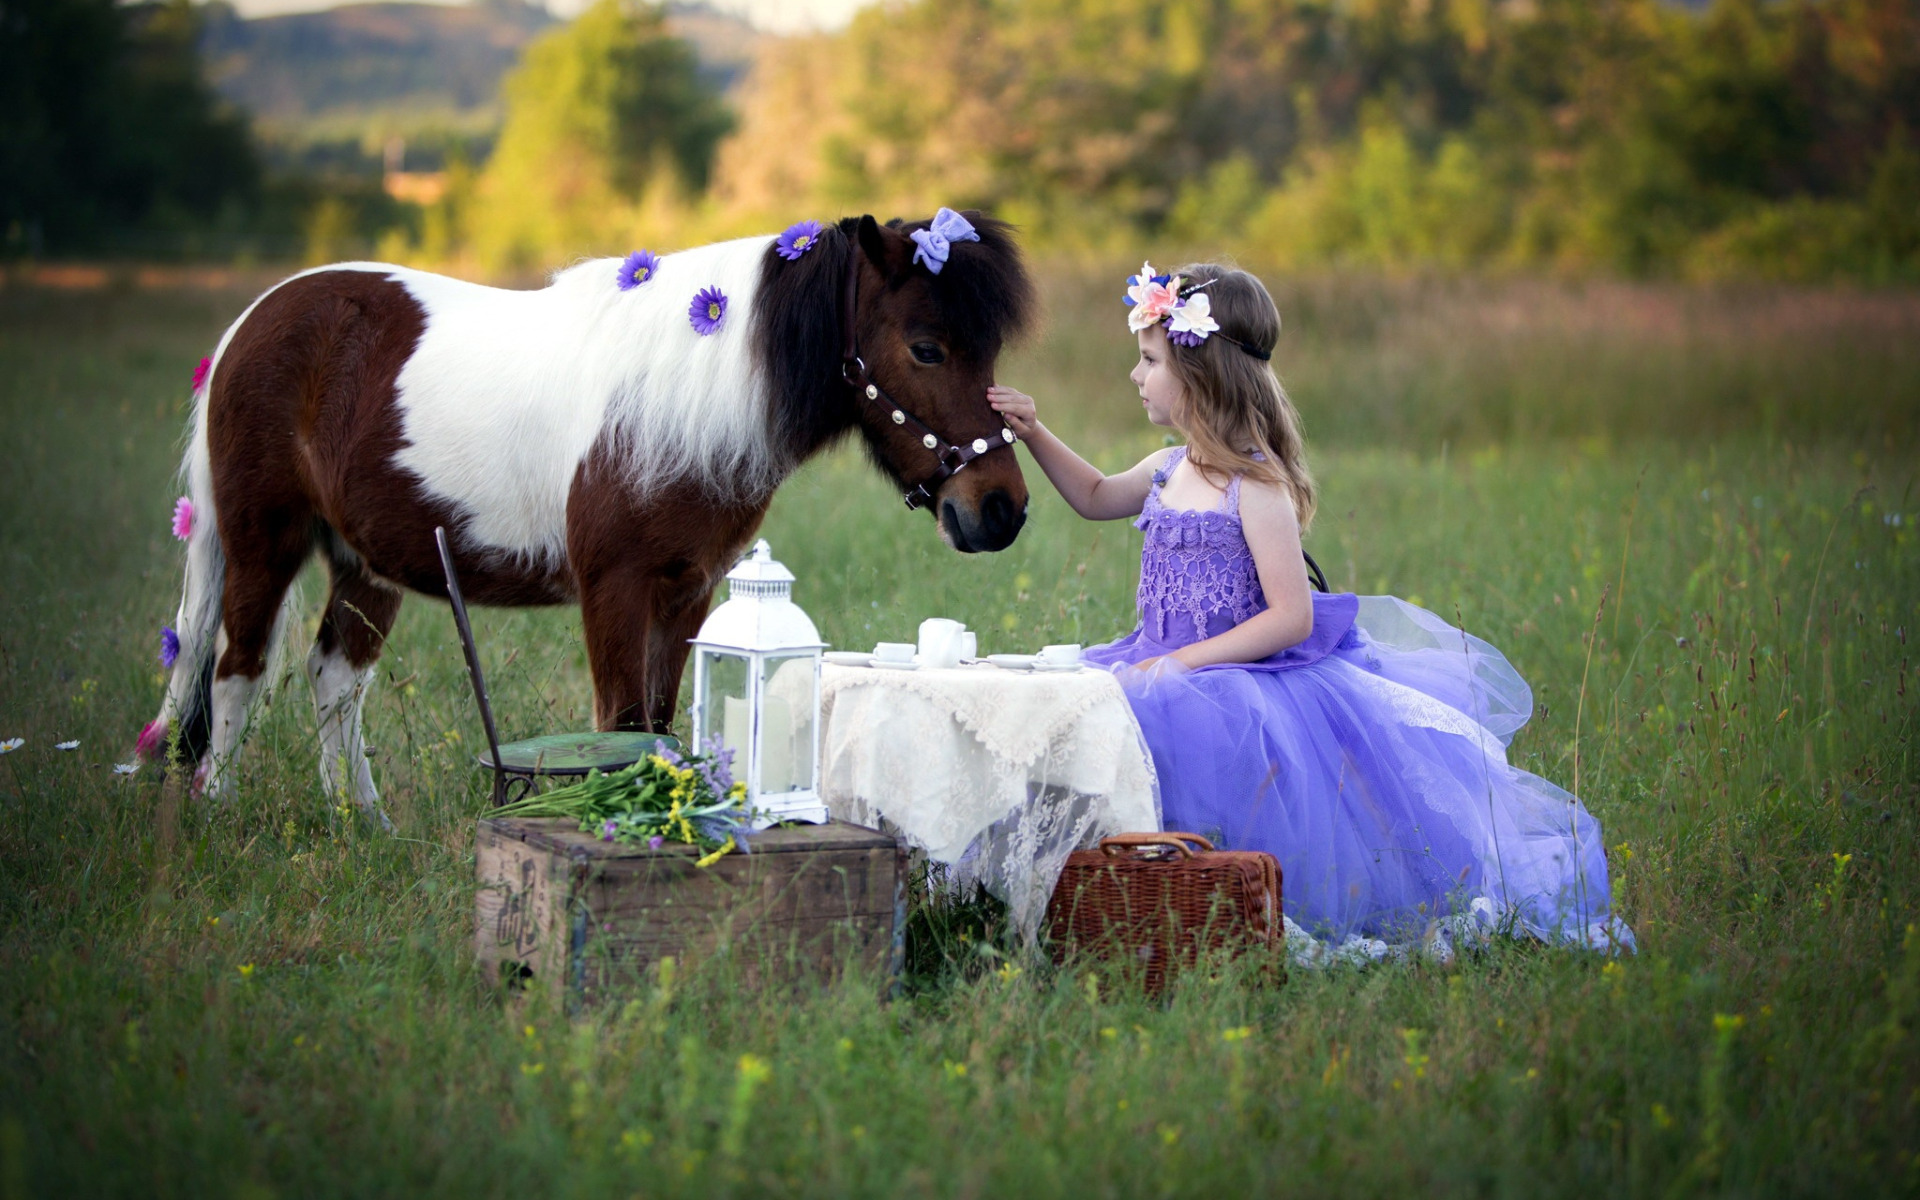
(1111, 846)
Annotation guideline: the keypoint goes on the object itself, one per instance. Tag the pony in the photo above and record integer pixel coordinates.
(597, 441)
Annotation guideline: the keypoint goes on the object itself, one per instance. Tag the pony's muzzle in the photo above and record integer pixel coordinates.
(991, 526)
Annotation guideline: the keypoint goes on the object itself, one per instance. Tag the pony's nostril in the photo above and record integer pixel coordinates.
(999, 519)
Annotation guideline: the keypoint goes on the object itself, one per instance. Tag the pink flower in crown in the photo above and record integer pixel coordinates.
(1152, 299)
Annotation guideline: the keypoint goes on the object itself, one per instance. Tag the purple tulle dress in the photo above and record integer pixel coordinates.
(1370, 759)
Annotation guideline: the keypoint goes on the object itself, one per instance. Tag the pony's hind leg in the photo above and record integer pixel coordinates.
(360, 613)
(256, 585)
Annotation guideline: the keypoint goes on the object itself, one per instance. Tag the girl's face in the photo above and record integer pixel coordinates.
(1160, 390)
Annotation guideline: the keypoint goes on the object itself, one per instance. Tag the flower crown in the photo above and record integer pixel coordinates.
(1186, 309)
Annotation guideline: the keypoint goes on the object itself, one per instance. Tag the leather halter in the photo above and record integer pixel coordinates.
(949, 459)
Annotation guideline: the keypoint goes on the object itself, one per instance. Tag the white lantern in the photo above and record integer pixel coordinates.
(756, 690)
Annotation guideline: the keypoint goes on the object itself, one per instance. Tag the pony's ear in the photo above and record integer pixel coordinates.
(887, 249)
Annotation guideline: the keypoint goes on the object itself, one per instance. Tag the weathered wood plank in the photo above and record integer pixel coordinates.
(579, 916)
(519, 911)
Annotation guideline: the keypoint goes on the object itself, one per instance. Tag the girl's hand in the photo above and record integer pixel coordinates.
(1015, 408)
(1151, 670)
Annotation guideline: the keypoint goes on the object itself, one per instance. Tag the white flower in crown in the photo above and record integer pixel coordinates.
(1152, 298)
(1193, 320)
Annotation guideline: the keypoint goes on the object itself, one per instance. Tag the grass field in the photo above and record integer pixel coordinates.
(1687, 516)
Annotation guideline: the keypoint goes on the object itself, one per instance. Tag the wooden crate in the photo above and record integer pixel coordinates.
(563, 912)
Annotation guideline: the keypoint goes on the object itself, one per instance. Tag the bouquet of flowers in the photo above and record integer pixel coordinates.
(664, 797)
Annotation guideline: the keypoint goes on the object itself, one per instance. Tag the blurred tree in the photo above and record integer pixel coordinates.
(107, 130)
(599, 112)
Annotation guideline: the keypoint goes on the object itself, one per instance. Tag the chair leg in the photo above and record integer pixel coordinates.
(461, 623)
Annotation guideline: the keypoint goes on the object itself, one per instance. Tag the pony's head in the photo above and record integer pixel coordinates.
(927, 341)
(930, 342)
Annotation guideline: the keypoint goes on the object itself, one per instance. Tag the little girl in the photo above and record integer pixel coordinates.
(1360, 740)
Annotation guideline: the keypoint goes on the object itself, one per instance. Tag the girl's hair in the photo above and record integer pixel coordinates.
(1234, 405)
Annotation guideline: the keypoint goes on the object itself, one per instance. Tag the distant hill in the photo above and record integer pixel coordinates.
(392, 65)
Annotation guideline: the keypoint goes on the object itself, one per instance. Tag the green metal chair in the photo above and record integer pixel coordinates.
(519, 766)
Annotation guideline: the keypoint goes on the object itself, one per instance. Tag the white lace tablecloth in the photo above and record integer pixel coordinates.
(997, 774)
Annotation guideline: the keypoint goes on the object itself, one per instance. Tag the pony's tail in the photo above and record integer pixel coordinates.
(184, 728)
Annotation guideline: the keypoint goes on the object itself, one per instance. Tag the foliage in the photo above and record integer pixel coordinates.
(1626, 136)
(108, 132)
(263, 995)
(601, 111)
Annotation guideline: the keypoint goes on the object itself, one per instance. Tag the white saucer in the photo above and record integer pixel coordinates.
(849, 658)
(885, 665)
(1042, 665)
(1013, 662)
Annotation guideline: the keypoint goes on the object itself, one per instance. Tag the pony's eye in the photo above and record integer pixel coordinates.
(928, 353)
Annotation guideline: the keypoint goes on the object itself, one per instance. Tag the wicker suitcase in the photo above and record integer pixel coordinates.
(1154, 899)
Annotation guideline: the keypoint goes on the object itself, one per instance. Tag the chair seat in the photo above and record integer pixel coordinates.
(578, 753)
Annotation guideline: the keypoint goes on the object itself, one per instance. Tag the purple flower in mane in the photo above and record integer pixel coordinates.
(638, 268)
(797, 240)
(708, 309)
(200, 373)
(169, 646)
(183, 518)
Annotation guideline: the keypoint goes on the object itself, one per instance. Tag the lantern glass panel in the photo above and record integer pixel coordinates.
(725, 718)
(787, 744)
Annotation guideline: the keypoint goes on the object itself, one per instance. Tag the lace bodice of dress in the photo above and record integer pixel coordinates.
(1197, 577)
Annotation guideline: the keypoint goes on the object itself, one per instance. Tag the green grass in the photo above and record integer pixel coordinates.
(1688, 517)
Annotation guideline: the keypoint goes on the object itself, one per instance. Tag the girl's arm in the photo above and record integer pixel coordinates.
(1272, 530)
(1086, 489)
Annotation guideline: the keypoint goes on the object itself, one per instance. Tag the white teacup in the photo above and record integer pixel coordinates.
(1065, 654)
(969, 645)
(894, 652)
(940, 642)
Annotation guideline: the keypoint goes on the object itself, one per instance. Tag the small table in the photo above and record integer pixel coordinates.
(997, 774)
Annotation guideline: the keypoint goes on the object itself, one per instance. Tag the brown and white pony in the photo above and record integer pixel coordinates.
(581, 443)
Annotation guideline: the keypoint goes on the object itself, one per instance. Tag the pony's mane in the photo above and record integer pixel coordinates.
(796, 343)
(683, 408)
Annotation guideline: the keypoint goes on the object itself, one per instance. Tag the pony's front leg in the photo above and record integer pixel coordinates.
(632, 619)
(644, 572)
